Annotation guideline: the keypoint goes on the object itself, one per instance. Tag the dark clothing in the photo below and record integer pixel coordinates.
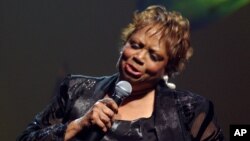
(178, 115)
(137, 130)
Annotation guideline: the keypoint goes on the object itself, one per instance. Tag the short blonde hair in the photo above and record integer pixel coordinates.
(174, 30)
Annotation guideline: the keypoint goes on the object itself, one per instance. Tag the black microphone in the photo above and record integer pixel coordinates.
(122, 90)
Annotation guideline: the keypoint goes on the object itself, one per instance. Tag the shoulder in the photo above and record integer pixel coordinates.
(183, 97)
(198, 114)
(191, 105)
(73, 83)
(190, 98)
(188, 103)
(73, 80)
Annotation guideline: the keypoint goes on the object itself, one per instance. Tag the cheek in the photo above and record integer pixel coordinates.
(156, 69)
(127, 52)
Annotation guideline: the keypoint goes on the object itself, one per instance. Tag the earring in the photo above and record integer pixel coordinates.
(170, 85)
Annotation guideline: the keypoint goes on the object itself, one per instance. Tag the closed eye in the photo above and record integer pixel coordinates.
(155, 57)
(135, 45)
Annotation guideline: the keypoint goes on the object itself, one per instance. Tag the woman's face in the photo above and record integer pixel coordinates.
(143, 59)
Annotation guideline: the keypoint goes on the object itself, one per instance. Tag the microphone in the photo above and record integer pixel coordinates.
(122, 90)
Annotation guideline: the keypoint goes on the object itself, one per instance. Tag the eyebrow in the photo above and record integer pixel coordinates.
(159, 55)
(157, 51)
(137, 41)
(133, 40)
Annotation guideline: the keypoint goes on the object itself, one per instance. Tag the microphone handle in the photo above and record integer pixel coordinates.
(94, 132)
(118, 100)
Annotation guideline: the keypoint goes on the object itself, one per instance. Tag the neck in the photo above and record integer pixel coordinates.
(139, 96)
(136, 106)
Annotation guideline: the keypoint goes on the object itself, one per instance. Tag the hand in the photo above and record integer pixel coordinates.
(100, 114)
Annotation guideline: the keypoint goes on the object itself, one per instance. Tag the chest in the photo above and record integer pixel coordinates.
(130, 113)
(135, 109)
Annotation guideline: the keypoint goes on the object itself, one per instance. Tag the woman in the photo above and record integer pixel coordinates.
(155, 44)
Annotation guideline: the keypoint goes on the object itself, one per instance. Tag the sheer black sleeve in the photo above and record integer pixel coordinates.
(200, 118)
(48, 124)
(204, 126)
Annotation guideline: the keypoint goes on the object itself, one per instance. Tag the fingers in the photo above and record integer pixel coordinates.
(99, 123)
(103, 121)
(110, 103)
(102, 113)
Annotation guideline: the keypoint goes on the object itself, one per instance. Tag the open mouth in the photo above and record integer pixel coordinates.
(131, 70)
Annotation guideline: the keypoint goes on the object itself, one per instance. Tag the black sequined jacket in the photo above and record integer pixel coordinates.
(179, 115)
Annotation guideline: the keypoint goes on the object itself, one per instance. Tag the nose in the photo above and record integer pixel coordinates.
(139, 57)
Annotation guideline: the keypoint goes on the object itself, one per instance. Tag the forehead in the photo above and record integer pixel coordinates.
(152, 30)
(151, 35)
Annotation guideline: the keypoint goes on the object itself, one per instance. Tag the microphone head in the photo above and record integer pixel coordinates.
(122, 90)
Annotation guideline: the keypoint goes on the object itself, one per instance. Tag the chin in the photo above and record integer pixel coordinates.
(134, 80)
(128, 78)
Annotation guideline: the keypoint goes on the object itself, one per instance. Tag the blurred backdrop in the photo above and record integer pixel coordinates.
(41, 41)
